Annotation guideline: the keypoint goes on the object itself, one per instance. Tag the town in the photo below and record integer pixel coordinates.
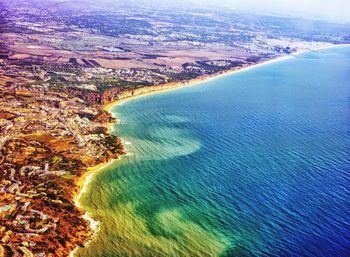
(48, 140)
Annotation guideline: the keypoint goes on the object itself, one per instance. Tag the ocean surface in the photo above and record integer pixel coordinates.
(252, 164)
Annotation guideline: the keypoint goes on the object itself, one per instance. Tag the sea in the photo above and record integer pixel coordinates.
(255, 163)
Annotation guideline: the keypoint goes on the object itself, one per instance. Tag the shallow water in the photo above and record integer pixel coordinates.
(251, 164)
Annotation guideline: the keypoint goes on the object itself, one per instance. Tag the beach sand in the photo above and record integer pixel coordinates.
(172, 86)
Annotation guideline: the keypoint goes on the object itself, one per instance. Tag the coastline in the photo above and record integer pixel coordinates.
(84, 181)
(144, 91)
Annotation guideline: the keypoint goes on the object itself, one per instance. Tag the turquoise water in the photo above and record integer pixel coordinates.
(252, 164)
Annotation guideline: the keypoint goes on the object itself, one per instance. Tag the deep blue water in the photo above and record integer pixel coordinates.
(258, 160)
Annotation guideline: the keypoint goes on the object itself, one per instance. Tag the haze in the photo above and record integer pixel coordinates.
(336, 10)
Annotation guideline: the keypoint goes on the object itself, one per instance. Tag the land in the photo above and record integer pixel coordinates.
(62, 62)
(48, 140)
(99, 49)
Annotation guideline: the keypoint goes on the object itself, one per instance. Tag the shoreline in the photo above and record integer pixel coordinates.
(84, 181)
(139, 92)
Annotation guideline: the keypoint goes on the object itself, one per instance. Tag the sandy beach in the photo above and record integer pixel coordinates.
(83, 184)
(172, 86)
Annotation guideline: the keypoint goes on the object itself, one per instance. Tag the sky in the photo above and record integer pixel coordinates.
(337, 10)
